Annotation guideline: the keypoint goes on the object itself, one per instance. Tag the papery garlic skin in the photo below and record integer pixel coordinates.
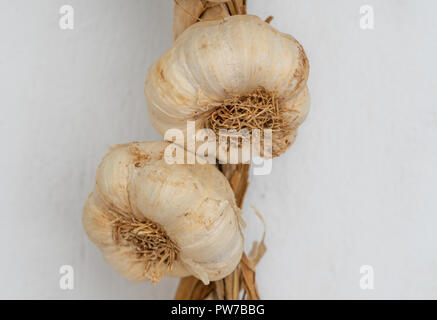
(194, 204)
(213, 61)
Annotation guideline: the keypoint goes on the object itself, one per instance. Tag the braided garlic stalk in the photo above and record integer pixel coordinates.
(226, 70)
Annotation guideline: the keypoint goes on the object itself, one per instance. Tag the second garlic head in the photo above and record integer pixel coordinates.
(152, 219)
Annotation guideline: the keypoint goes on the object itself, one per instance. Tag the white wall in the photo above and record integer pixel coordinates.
(357, 188)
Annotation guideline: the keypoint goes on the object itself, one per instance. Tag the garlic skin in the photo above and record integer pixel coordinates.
(213, 61)
(193, 204)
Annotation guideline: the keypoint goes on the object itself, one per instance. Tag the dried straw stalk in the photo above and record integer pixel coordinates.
(241, 283)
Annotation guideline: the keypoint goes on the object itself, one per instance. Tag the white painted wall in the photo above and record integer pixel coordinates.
(357, 188)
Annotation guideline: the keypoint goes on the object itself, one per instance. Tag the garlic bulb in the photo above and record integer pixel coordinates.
(151, 219)
(233, 73)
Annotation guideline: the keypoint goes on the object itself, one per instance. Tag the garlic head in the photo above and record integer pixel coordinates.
(152, 219)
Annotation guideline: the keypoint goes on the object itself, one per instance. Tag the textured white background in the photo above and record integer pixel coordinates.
(358, 187)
